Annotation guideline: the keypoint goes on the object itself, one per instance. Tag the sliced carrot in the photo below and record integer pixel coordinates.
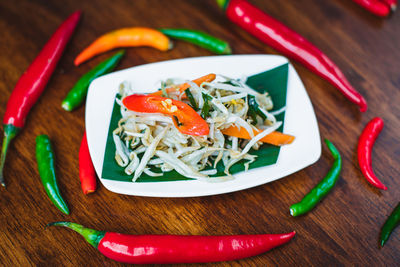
(274, 138)
(182, 87)
(125, 37)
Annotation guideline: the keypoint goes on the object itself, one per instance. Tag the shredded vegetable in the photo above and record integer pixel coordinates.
(151, 143)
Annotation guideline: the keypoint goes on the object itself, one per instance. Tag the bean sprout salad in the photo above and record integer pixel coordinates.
(191, 126)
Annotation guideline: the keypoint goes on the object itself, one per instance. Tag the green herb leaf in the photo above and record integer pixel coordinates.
(191, 99)
(206, 107)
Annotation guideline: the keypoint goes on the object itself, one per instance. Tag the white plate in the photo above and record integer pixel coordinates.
(300, 121)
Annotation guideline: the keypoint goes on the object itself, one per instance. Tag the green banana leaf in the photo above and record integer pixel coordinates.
(273, 81)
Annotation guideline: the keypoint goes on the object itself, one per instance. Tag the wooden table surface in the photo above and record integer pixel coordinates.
(342, 230)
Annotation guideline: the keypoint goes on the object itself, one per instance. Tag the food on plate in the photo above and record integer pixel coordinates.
(125, 37)
(185, 118)
(194, 126)
(164, 249)
(184, 86)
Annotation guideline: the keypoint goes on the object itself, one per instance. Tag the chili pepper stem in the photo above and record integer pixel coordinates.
(92, 236)
(222, 3)
(10, 131)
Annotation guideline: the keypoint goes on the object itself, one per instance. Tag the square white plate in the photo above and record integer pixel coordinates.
(300, 121)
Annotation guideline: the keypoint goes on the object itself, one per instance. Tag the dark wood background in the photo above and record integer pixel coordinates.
(342, 230)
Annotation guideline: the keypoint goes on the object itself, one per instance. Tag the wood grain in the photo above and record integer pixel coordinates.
(342, 230)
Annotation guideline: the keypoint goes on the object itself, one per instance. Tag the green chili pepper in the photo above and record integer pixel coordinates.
(45, 161)
(201, 39)
(323, 188)
(206, 106)
(392, 222)
(78, 93)
(191, 99)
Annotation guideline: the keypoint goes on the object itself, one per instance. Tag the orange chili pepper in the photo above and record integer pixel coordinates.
(182, 87)
(186, 119)
(125, 37)
(274, 138)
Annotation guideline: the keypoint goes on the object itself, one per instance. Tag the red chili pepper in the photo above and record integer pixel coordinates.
(288, 42)
(168, 249)
(392, 4)
(32, 83)
(87, 173)
(186, 119)
(376, 7)
(365, 144)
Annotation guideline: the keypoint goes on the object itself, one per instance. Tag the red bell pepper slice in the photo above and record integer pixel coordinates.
(186, 119)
